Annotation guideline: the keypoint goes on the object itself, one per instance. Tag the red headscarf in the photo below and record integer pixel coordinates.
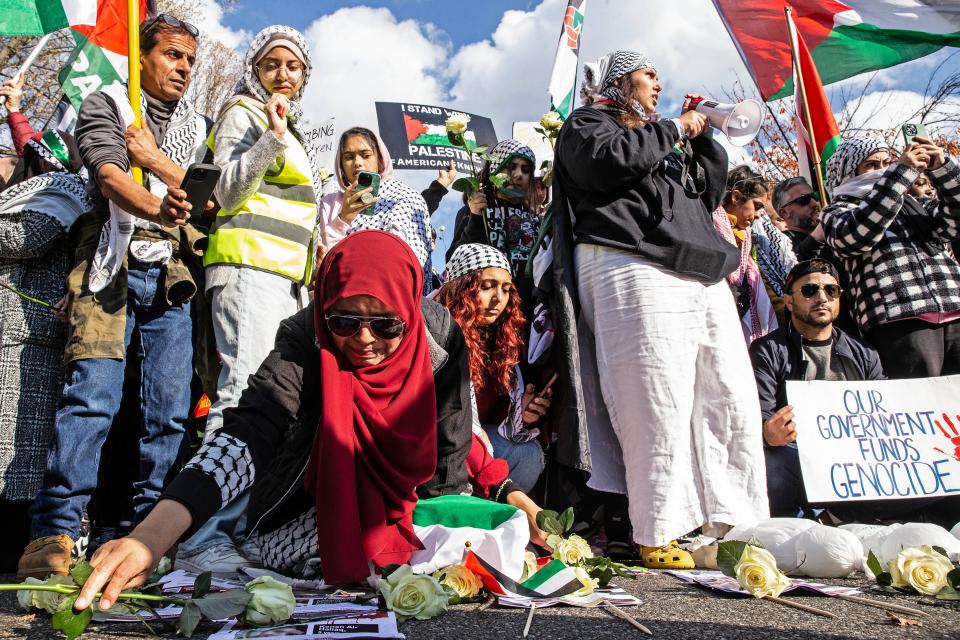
(378, 432)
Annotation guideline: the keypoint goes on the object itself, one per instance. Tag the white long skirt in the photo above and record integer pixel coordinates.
(675, 419)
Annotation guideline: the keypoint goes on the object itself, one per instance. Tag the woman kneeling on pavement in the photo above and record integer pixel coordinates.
(335, 434)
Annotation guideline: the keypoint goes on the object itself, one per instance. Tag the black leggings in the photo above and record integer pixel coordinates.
(917, 349)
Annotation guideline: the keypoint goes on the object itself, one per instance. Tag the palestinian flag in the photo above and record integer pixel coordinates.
(419, 132)
(553, 580)
(845, 38)
(563, 80)
(39, 17)
(826, 133)
(498, 532)
(100, 58)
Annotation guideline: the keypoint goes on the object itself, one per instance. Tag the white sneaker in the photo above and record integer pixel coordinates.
(223, 559)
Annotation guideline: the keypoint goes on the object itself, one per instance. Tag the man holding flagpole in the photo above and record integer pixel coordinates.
(134, 273)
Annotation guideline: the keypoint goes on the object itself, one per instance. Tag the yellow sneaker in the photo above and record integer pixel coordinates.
(667, 557)
(46, 555)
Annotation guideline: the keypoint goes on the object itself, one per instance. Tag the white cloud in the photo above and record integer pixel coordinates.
(362, 55)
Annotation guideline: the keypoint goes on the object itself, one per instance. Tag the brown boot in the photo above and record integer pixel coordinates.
(46, 555)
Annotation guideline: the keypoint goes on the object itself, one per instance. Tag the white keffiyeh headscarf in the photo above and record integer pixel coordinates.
(842, 166)
(475, 257)
(249, 86)
(600, 77)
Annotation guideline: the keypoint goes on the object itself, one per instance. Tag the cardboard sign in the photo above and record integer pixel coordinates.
(880, 440)
(416, 136)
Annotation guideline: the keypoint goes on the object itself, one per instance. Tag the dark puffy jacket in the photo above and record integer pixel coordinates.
(630, 190)
(779, 356)
(279, 412)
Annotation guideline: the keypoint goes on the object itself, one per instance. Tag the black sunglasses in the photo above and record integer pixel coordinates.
(811, 288)
(348, 326)
(173, 22)
(803, 200)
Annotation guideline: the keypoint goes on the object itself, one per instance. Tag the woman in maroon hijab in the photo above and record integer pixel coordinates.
(333, 435)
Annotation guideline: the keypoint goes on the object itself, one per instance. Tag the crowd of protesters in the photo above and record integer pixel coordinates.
(619, 342)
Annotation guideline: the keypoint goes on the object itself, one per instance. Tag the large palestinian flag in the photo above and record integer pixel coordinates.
(99, 28)
(563, 79)
(845, 38)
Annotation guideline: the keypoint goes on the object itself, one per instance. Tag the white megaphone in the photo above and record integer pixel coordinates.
(740, 122)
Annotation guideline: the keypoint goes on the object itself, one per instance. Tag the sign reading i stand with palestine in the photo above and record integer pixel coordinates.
(416, 136)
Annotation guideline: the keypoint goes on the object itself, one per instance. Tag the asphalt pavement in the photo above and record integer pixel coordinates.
(671, 609)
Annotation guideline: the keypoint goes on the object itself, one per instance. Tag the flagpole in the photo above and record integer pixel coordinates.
(133, 68)
(21, 72)
(794, 51)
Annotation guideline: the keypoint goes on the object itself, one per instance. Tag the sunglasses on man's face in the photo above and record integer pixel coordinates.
(811, 288)
(803, 200)
(347, 326)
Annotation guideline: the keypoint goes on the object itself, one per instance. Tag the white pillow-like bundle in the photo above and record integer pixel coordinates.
(827, 552)
(776, 536)
(915, 534)
(871, 536)
(956, 531)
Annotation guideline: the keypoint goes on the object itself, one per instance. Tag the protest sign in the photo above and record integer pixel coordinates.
(878, 440)
(416, 136)
(321, 140)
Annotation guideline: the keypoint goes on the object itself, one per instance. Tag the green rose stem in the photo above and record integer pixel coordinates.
(67, 590)
(473, 170)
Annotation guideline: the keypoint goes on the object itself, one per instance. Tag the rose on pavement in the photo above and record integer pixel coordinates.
(272, 602)
(411, 595)
(530, 565)
(921, 568)
(572, 551)
(462, 581)
(757, 573)
(49, 601)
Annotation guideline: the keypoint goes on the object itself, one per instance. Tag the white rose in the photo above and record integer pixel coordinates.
(26, 598)
(457, 123)
(589, 584)
(551, 121)
(757, 573)
(530, 565)
(411, 595)
(272, 602)
(462, 581)
(921, 568)
(572, 551)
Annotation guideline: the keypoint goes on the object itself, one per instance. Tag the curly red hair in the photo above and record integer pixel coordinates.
(494, 349)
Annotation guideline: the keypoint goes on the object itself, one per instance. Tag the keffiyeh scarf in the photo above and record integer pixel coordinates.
(843, 164)
(475, 257)
(250, 87)
(505, 149)
(600, 77)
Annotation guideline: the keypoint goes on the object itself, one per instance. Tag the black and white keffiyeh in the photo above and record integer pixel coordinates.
(475, 257)
(249, 85)
(843, 164)
(505, 149)
(600, 77)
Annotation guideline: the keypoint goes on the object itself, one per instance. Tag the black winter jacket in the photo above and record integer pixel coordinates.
(779, 356)
(278, 416)
(628, 190)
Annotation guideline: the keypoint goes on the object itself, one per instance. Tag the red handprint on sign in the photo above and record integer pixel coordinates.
(954, 438)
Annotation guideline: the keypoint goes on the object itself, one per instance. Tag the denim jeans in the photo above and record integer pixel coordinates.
(525, 459)
(788, 499)
(91, 399)
(247, 311)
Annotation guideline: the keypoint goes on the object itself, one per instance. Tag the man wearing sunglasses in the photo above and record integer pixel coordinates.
(810, 347)
(798, 205)
(133, 274)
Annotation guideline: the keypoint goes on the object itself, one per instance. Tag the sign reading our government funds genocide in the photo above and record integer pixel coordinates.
(886, 439)
(416, 136)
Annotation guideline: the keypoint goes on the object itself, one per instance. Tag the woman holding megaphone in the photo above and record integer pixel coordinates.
(649, 272)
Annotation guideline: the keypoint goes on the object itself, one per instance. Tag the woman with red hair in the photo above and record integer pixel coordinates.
(481, 296)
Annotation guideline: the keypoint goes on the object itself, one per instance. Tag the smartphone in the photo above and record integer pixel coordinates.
(368, 179)
(549, 384)
(911, 130)
(199, 182)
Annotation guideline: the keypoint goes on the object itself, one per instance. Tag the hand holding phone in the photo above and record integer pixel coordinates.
(913, 130)
(368, 180)
(535, 405)
(198, 183)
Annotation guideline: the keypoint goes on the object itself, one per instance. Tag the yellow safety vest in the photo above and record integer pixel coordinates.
(275, 229)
